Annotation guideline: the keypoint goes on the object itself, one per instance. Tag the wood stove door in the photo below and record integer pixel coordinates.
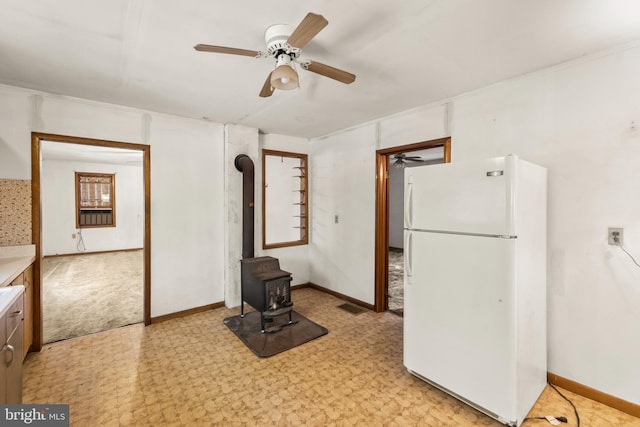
(278, 293)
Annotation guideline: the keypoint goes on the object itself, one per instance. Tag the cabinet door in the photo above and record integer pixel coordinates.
(14, 316)
(3, 366)
(14, 369)
(28, 321)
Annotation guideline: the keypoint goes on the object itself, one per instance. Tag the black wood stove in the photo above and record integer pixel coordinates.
(263, 285)
(266, 288)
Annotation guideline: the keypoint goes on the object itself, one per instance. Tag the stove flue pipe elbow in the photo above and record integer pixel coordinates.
(245, 165)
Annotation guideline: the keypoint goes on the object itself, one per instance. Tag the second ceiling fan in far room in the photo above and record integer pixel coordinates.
(400, 160)
(285, 47)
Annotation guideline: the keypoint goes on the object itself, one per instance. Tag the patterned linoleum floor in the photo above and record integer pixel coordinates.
(193, 371)
(88, 293)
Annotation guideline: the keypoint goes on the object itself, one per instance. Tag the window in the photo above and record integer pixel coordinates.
(95, 200)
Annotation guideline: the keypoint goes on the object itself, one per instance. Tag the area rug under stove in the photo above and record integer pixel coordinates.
(265, 345)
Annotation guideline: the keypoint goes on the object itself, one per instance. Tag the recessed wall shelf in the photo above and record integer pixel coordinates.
(285, 181)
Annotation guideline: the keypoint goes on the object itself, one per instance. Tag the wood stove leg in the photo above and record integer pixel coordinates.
(262, 325)
(290, 321)
(241, 302)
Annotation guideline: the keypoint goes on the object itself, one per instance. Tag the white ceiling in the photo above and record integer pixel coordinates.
(50, 150)
(405, 54)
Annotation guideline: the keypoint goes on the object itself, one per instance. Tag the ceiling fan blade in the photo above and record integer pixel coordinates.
(414, 159)
(229, 50)
(311, 25)
(331, 72)
(267, 89)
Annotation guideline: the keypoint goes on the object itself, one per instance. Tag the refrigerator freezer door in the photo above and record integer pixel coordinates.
(459, 328)
(463, 197)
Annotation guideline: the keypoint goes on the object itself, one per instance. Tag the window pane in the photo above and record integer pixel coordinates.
(96, 205)
(95, 191)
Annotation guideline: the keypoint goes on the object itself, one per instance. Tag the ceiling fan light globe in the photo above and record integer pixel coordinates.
(284, 78)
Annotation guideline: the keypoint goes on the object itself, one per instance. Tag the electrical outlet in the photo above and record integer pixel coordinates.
(336, 219)
(73, 236)
(615, 236)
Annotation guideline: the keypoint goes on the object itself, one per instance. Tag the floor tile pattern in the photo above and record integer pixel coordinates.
(193, 371)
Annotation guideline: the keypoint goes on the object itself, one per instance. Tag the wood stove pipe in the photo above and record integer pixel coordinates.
(245, 165)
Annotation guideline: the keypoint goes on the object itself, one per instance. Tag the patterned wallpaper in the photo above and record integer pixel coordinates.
(15, 212)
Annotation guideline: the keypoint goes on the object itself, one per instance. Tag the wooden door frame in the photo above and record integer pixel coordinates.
(382, 211)
(36, 204)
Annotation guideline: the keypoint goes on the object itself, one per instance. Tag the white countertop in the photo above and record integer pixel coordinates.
(8, 295)
(14, 260)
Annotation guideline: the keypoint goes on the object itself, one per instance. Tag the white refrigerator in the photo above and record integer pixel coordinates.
(475, 282)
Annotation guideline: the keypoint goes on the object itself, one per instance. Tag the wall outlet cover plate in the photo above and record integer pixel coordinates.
(612, 234)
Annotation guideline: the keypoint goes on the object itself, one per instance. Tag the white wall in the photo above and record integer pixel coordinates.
(187, 213)
(238, 140)
(343, 184)
(418, 125)
(580, 121)
(15, 136)
(187, 183)
(59, 213)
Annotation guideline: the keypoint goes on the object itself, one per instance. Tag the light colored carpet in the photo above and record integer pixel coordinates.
(84, 294)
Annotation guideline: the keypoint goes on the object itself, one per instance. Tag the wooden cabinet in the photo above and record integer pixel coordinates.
(11, 342)
(26, 279)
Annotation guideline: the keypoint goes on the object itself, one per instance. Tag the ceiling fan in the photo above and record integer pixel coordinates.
(285, 47)
(401, 159)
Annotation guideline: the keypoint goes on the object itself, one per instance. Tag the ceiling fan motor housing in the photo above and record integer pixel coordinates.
(276, 38)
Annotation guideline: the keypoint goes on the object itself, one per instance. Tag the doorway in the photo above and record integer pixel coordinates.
(37, 141)
(383, 188)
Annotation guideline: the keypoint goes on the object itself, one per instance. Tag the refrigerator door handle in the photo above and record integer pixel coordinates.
(407, 261)
(408, 205)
